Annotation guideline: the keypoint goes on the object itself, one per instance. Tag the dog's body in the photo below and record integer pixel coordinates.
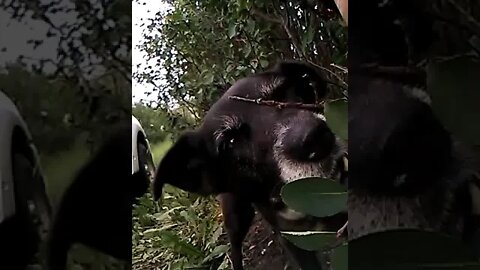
(96, 208)
(406, 171)
(245, 152)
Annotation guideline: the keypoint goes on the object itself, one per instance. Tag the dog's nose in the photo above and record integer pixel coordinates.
(309, 140)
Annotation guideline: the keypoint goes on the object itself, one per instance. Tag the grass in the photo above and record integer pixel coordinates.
(159, 149)
(181, 233)
(60, 169)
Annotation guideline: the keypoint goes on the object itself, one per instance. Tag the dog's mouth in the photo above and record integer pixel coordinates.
(332, 167)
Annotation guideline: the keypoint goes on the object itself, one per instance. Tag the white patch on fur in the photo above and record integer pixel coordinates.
(345, 163)
(267, 87)
(320, 116)
(418, 94)
(291, 170)
(371, 214)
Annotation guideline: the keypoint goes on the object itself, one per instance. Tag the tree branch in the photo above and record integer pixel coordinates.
(293, 40)
(470, 21)
(279, 105)
(330, 72)
(284, 24)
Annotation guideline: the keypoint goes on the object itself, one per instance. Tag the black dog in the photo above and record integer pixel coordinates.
(245, 152)
(96, 209)
(406, 171)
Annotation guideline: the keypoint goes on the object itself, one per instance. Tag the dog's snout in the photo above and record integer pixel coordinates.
(309, 140)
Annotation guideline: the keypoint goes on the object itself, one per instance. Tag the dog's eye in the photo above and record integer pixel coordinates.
(232, 138)
(230, 143)
(226, 144)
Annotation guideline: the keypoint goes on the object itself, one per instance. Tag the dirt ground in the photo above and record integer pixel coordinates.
(262, 250)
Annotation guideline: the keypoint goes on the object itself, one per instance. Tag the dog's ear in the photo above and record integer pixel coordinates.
(303, 74)
(184, 166)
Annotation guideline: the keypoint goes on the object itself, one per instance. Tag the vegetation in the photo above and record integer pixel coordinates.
(200, 48)
(72, 79)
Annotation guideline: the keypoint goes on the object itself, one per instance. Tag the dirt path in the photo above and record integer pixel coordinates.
(262, 250)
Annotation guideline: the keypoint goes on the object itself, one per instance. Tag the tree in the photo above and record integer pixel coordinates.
(202, 47)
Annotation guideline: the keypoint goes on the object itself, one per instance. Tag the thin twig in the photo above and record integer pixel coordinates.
(293, 40)
(329, 71)
(473, 24)
(342, 231)
(279, 105)
(343, 69)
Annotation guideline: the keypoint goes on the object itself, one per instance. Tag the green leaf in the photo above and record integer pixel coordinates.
(336, 113)
(247, 50)
(340, 258)
(311, 241)
(264, 63)
(453, 85)
(230, 68)
(309, 34)
(406, 249)
(161, 216)
(232, 30)
(151, 232)
(209, 79)
(179, 245)
(315, 196)
(216, 252)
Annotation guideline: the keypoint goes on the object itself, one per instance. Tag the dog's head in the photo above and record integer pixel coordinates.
(397, 144)
(248, 148)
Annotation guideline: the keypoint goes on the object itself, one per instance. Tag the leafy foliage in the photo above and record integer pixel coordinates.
(320, 197)
(184, 232)
(201, 47)
(453, 84)
(55, 112)
(69, 94)
(336, 113)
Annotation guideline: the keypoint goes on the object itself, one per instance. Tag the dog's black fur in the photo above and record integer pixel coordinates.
(245, 152)
(96, 208)
(406, 171)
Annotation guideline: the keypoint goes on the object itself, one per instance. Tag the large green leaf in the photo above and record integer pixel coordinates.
(312, 241)
(216, 252)
(315, 196)
(336, 113)
(407, 249)
(453, 85)
(340, 257)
